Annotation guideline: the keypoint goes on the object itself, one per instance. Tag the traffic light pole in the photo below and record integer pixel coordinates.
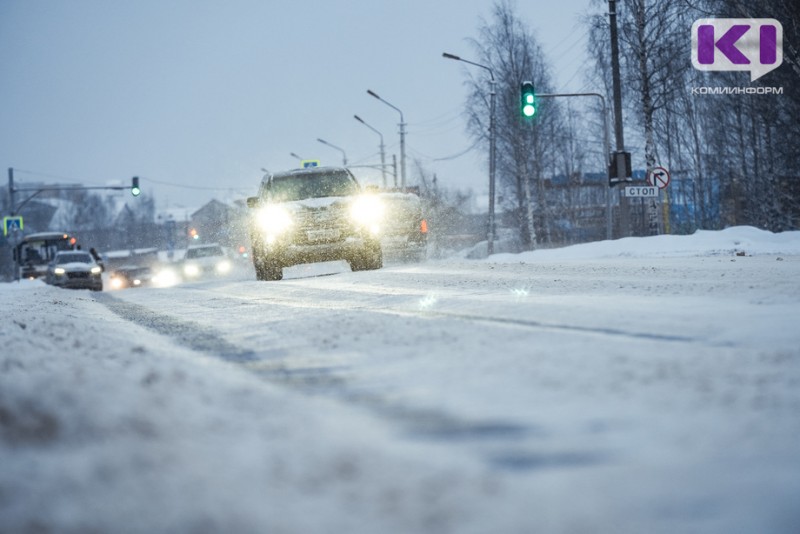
(624, 223)
(606, 140)
(492, 141)
(14, 209)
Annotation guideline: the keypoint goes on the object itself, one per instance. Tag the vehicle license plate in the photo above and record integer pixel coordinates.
(323, 235)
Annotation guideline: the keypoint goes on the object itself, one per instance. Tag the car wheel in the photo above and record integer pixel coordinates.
(369, 259)
(269, 269)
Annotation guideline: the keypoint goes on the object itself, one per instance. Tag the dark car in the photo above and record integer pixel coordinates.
(130, 276)
(75, 269)
(313, 215)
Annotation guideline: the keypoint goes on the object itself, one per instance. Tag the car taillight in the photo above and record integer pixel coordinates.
(423, 226)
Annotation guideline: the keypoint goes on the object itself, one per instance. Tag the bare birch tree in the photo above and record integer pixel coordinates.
(524, 149)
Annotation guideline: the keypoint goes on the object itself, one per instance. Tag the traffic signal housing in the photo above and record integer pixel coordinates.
(527, 100)
(135, 190)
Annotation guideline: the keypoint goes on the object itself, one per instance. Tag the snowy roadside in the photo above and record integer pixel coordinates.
(104, 427)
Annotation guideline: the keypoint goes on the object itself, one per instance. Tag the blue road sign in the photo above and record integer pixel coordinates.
(11, 223)
(310, 163)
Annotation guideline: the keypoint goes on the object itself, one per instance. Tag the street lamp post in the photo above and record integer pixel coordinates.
(402, 137)
(344, 156)
(295, 156)
(383, 154)
(492, 136)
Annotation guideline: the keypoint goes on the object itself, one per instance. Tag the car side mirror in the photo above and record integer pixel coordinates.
(253, 202)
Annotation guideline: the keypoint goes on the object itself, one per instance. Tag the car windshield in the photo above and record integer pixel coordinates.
(204, 252)
(315, 185)
(74, 257)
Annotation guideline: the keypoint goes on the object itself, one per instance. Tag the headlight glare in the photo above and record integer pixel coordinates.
(367, 210)
(59, 271)
(274, 219)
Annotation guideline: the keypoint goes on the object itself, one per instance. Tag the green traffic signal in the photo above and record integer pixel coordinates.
(528, 100)
(135, 190)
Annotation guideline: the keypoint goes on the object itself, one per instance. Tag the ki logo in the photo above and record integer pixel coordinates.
(754, 45)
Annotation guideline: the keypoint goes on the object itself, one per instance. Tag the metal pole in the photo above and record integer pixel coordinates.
(394, 166)
(383, 154)
(402, 151)
(372, 93)
(383, 164)
(620, 141)
(344, 156)
(492, 134)
(11, 191)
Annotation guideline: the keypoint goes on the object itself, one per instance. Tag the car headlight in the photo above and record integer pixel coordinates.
(59, 271)
(165, 278)
(224, 266)
(191, 269)
(96, 269)
(274, 219)
(116, 283)
(367, 210)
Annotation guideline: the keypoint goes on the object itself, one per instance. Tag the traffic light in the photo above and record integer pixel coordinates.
(135, 191)
(528, 100)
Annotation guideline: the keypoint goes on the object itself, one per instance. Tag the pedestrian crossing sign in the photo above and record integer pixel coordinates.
(11, 223)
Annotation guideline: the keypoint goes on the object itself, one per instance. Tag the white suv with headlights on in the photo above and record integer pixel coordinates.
(312, 215)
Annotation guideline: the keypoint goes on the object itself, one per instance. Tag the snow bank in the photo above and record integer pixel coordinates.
(738, 239)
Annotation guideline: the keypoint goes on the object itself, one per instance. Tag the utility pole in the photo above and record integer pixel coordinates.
(383, 153)
(490, 238)
(373, 94)
(617, 88)
(11, 190)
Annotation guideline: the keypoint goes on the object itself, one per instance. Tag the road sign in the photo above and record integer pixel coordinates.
(306, 163)
(641, 191)
(12, 223)
(659, 177)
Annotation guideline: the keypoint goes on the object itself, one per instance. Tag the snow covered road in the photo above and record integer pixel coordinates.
(604, 394)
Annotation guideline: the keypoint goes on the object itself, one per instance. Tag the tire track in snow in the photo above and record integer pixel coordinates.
(187, 333)
(496, 442)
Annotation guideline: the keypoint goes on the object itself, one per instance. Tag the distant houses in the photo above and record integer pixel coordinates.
(217, 222)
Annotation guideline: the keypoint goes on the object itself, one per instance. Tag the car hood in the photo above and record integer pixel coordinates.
(317, 203)
(76, 267)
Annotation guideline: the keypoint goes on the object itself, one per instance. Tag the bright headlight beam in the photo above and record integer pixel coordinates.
(367, 209)
(274, 219)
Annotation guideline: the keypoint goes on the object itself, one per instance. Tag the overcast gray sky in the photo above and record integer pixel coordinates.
(203, 94)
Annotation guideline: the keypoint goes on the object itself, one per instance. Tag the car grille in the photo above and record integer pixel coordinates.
(78, 275)
(321, 225)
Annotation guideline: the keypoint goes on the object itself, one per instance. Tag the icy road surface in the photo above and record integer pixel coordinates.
(622, 394)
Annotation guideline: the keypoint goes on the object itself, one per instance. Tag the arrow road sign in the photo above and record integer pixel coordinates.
(659, 177)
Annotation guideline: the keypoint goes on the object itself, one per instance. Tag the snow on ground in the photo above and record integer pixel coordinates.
(108, 426)
(739, 239)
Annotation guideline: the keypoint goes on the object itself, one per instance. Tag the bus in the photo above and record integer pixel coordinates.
(35, 251)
